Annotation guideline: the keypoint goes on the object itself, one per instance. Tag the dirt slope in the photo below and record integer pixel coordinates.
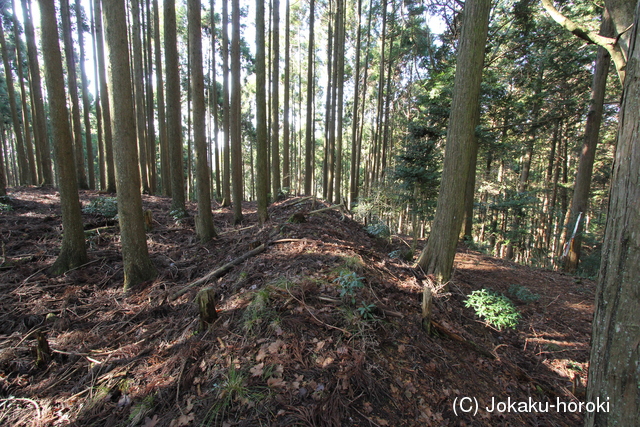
(320, 329)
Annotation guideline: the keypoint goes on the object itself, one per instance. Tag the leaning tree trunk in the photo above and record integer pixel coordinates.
(614, 376)
(580, 200)
(437, 257)
(72, 252)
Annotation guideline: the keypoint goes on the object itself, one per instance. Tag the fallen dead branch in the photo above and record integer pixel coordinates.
(218, 272)
(452, 335)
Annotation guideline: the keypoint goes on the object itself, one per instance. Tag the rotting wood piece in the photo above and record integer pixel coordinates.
(206, 300)
(43, 351)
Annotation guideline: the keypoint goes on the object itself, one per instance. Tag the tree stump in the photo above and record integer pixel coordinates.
(427, 308)
(43, 352)
(206, 300)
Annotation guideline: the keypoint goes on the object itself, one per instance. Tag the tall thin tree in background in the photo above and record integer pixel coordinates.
(165, 170)
(236, 114)
(174, 115)
(86, 105)
(23, 163)
(73, 252)
(437, 257)
(102, 171)
(286, 131)
(275, 106)
(262, 149)
(226, 155)
(39, 121)
(309, 137)
(106, 105)
(204, 220)
(136, 262)
(70, 58)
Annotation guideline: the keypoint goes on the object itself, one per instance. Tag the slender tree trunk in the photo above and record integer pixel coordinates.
(151, 127)
(98, 101)
(226, 174)
(40, 124)
(33, 162)
(174, 119)
(354, 170)
(580, 200)
(262, 166)
(437, 257)
(204, 220)
(286, 131)
(214, 105)
(136, 262)
(86, 105)
(309, 136)
(328, 123)
(72, 252)
(23, 163)
(165, 168)
(341, 34)
(3, 175)
(69, 54)
(615, 355)
(106, 106)
(138, 87)
(236, 112)
(275, 103)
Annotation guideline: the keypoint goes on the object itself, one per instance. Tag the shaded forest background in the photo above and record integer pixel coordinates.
(357, 110)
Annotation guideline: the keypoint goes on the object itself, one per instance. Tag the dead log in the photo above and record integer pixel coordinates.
(326, 209)
(472, 345)
(218, 272)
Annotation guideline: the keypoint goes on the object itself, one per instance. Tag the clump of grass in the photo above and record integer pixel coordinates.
(260, 312)
(498, 310)
(105, 206)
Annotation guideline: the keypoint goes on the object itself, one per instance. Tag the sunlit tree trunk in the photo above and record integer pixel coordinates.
(72, 79)
(86, 105)
(136, 262)
(174, 114)
(580, 199)
(437, 257)
(262, 178)
(204, 220)
(72, 252)
(106, 106)
(309, 137)
(39, 121)
(614, 376)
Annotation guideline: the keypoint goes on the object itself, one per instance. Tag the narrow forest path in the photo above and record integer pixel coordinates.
(322, 328)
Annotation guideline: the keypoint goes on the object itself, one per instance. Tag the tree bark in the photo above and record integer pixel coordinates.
(40, 121)
(438, 255)
(615, 354)
(275, 103)
(136, 262)
(72, 252)
(86, 105)
(236, 112)
(106, 106)
(165, 169)
(580, 199)
(309, 137)
(204, 221)
(174, 109)
(286, 131)
(65, 18)
(262, 166)
(102, 171)
(226, 156)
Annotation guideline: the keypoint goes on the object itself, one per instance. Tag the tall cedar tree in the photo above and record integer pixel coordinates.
(275, 85)
(262, 166)
(72, 252)
(309, 137)
(174, 109)
(137, 264)
(40, 120)
(437, 257)
(615, 355)
(204, 220)
(235, 123)
(86, 105)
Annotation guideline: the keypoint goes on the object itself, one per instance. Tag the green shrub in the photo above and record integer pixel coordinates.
(496, 309)
(523, 294)
(349, 282)
(105, 206)
(378, 229)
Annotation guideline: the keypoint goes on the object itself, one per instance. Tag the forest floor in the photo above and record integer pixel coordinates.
(323, 328)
